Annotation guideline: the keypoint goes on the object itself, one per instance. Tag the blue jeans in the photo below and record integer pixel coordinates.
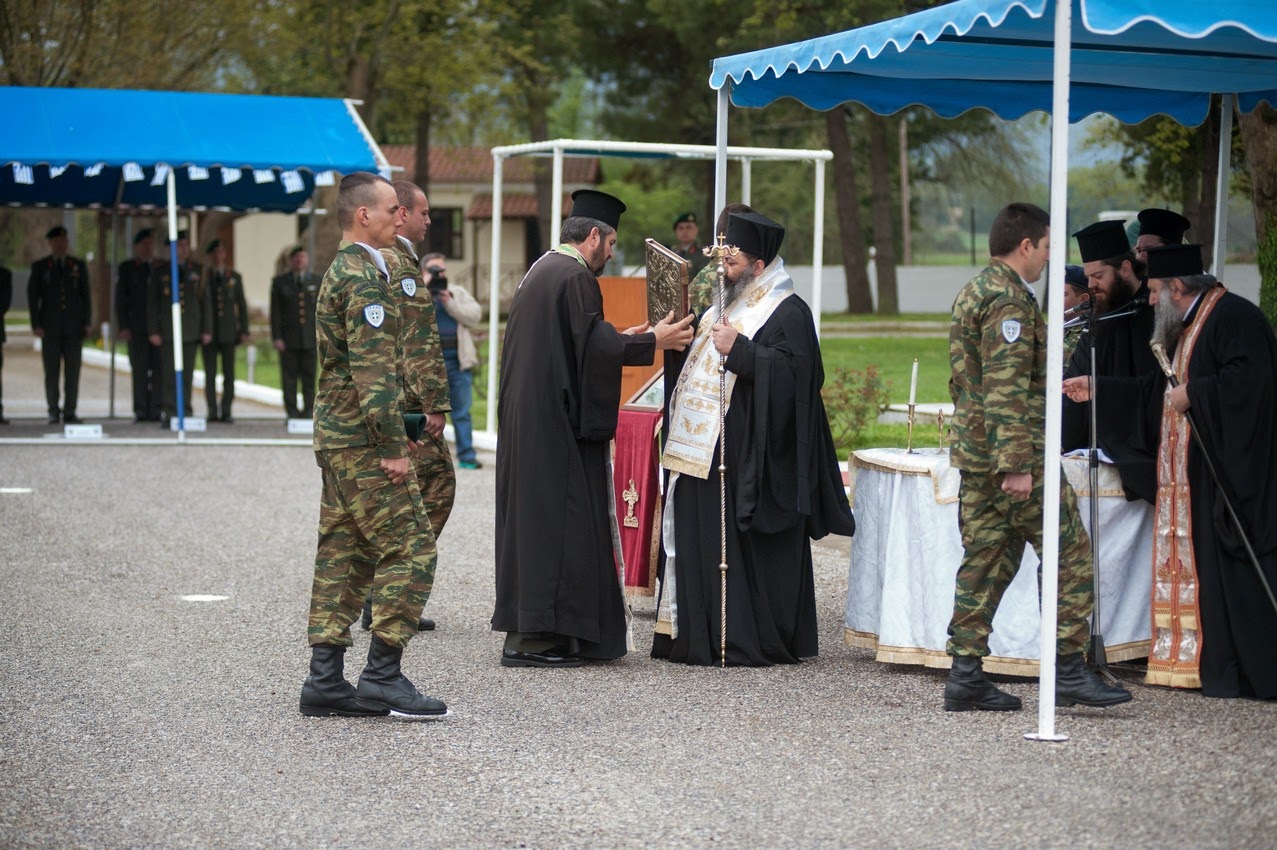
(460, 387)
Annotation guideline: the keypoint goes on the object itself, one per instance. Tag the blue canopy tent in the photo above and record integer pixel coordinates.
(122, 150)
(1131, 59)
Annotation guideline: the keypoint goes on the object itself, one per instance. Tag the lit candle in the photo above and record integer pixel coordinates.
(913, 384)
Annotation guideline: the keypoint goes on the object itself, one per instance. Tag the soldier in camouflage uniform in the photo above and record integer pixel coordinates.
(997, 350)
(373, 530)
(422, 373)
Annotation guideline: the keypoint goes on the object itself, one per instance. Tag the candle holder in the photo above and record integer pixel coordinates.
(909, 445)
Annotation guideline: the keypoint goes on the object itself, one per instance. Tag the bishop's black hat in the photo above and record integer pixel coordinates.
(144, 233)
(1167, 261)
(1102, 240)
(55, 232)
(755, 233)
(1170, 226)
(599, 206)
(1076, 276)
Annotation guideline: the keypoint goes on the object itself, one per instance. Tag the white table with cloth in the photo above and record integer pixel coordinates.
(907, 549)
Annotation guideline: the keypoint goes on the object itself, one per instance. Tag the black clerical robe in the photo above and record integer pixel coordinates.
(1121, 351)
(1232, 392)
(557, 410)
(784, 488)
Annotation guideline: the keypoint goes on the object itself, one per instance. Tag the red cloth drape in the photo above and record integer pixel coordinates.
(636, 471)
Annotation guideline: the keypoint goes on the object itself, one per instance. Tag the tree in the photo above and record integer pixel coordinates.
(1259, 134)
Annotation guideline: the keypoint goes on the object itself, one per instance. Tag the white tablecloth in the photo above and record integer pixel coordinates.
(906, 552)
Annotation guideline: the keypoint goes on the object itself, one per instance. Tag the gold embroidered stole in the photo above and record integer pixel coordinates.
(689, 448)
(1175, 658)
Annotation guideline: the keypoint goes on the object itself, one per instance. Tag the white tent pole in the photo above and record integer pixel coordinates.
(818, 247)
(1221, 188)
(1054, 376)
(746, 181)
(176, 305)
(494, 294)
(720, 154)
(556, 198)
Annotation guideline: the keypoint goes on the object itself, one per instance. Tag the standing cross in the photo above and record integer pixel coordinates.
(631, 498)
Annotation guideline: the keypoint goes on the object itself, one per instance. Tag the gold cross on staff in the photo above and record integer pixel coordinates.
(631, 498)
(720, 248)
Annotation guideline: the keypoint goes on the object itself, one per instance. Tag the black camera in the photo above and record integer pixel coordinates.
(438, 280)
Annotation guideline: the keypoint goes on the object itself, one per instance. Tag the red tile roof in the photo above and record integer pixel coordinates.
(516, 205)
(450, 164)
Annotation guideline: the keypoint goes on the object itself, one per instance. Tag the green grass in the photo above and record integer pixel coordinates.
(893, 355)
(875, 319)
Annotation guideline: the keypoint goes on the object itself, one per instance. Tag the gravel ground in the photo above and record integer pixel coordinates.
(132, 718)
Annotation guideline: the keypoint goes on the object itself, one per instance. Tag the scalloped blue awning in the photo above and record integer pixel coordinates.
(108, 148)
(1129, 58)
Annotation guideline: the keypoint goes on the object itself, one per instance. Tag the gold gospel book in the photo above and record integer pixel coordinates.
(666, 282)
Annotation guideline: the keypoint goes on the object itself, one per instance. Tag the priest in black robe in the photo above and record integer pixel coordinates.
(559, 596)
(1214, 626)
(783, 484)
(1122, 322)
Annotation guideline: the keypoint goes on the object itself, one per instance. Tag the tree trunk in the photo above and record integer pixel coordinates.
(1259, 136)
(421, 167)
(542, 170)
(883, 219)
(1204, 218)
(847, 197)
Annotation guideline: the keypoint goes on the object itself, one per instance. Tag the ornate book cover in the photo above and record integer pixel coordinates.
(666, 282)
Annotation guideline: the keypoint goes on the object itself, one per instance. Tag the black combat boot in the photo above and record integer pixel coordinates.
(326, 693)
(968, 689)
(1076, 684)
(383, 686)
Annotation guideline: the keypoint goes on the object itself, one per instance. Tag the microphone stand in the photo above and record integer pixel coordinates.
(1097, 651)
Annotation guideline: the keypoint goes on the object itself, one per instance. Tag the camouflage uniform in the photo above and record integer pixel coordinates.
(701, 291)
(1072, 336)
(997, 350)
(424, 379)
(371, 532)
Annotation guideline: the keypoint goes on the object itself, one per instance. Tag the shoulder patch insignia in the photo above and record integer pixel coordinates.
(1011, 330)
(375, 314)
(409, 286)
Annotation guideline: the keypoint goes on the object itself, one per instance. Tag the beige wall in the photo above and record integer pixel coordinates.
(258, 240)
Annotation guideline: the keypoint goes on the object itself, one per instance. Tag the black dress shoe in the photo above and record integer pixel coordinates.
(3, 421)
(549, 658)
(425, 624)
(228, 419)
(54, 419)
(72, 419)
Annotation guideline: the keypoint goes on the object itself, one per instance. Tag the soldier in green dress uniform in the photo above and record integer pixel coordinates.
(194, 327)
(226, 309)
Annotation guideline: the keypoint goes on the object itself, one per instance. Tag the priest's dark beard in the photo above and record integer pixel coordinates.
(1168, 324)
(733, 290)
(1123, 292)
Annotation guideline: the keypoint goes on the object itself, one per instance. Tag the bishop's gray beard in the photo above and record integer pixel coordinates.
(1168, 324)
(732, 290)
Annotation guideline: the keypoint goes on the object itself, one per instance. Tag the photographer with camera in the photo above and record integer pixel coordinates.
(456, 312)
